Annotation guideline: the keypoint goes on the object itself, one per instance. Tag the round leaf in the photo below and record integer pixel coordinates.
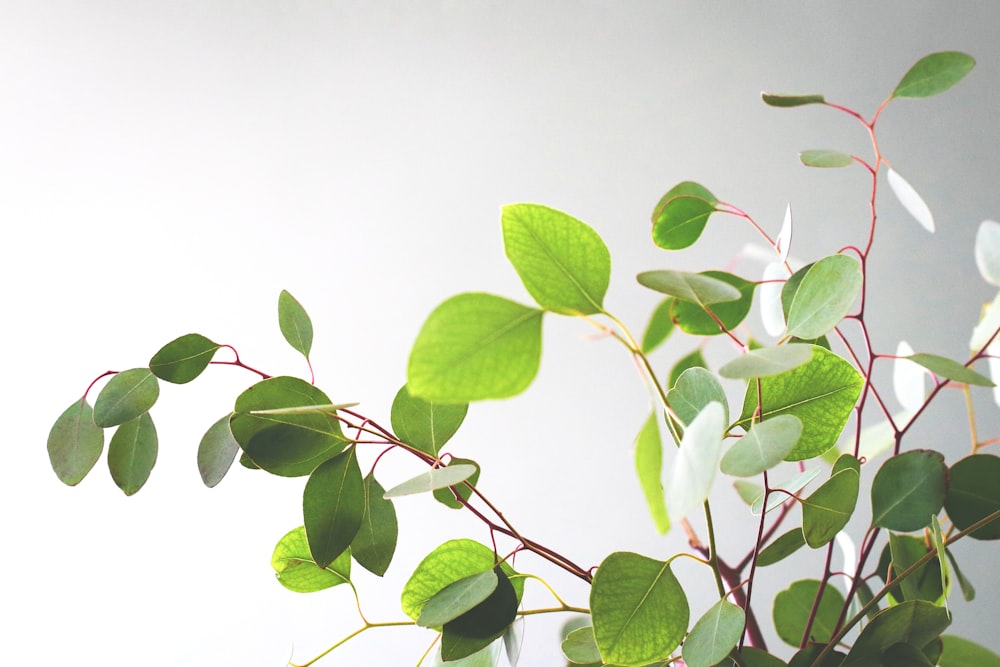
(295, 324)
(132, 453)
(580, 647)
(126, 396)
(974, 494)
(793, 607)
(764, 446)
(424, 424)
(828, 290)
(333, 505)
(908, 489)
(297, 571)
(216, 452)
(183, 359)
(483, 624)
(714, 635)
(693, 318)
(375, 543)
(680, 216)
(694, 389)
(825, 159)
(934, 73)
(446, 495)
(75, 443)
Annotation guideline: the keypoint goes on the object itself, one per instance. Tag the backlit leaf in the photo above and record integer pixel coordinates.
(694, 287)
(681, 214)
(933, 74)
(375, 542)
(424, 424)
(911, 201)
(649, 466)
(126, 396)
(660, 326)
(908, 489)
(988, 251)
(825, 158)
(183, 359)
(475, 346)
(694, 319)
(75, 443)
(562, 262)
(714, 635)
(828, 509)
(216, 452)
(766, 361)
(295, 324)
(132, 453)
(783, 100)
(793, 607)
(764, 446)
(973, 494)
(693, 391)
(435, 478)
(457, 598)
(693, 471)
(952, 370)
(781, 548)
(333, 505)
(825, 295)
(297, 571)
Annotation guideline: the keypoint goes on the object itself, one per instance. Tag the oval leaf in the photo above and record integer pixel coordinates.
(333, 505)
(75, 443)
(766, 361)
(764, 446)
(988, 251)
(692, 287)
(483, 624)
(457, 598)
(825, 159)
(793, 607)
(934, 74)
(297, 571)
(295, 324)
(649, 466)
(693, 390)
(781, 548)
(424, 424)
(475, 346)
(714, 635)
(580, 647)
(828, 509)
(783, 100)
(216, 452)
(660, 326)
(562, 262)
(911, 201)
(132, 453)
(375, 543)
(908, 489)
(825, 295)
(183, 359)
(974, 494)
(697, 460)
(680, 216)
(695, 319)
(435, 478)
(952, 370)
(126, 396)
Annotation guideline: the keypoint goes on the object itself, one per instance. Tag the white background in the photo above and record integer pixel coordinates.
(168, 168)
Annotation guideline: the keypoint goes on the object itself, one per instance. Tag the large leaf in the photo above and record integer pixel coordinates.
(333, 505)
(132, 453)
(785, 100)
(910, 199)
(296, 569)
(793, 607)
(821, 393)
(183, 359)
(649, 466)
(766, 361)
(435, 478)
(693, 471)
(714, 635)
(424, 424)
(475, 346)
(680, 216)
(933, 74)
(960, 652)
(639, 609)
(375, 542)
(659, 327)
(694, 319)
(949, 369)
(216, 452)
(75, 443)
(694, 389)
(480, 626)
(908, 489)
(915, 622)
(457, 598)
(693, 287)
(824, 296)
(563, 263)
(828, 509)
(973, 494)
(988, 251)
(294, 322)
(126, 396)
(764, 446)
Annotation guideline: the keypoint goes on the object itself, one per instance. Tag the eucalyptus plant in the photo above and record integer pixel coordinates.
(787, 448)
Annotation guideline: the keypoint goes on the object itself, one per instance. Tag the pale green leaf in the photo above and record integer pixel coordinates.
(183, 359)
(748, 491)
(766, 361)
(580, 647)
(435, 478)
(126, 396)
(457, 598)
(649, 466)
(132, 453)
(424, 424)
(295, 324)
(693, 470)
(714, 635)
(216, 452)
(333, 504)
(949, 369)
(908, 379)
(825, 158)
(784, 491)
(764, 446)
(297, 571)
(75, 443)
(694, 389)
(694, 287)
(824, 296)
(933, 74)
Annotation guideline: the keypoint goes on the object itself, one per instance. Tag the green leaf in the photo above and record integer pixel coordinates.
(333, 505)
(782, 100)
(764, 446)
(793, 607)
(75, 443)
(183, 359)
(781, 548)
(937, 540)
(457, 598)
(483, 624)
(580, 647)
(694, 389)
(934, 73)
(828, 509)
(476, 346)
(808, 656)
(968, 590)
(435, 478)
(450, 562)
(693, 287)
(639, 609)
(290, 444)
(695, 320)
(446, 495)
(824, 296)
(216, 452)
(660, 326)
(766, 361)
(132, 453)
(905, 655)
(486, 657)
(908, 489)
(649, 466)
(297, 571)
(126, 396)
(925, 582)
(680, 216)
(424, 424)
(755, 657)
(825, 159)
(714, 635)
(697, 460)
(973, 494)
(821, 393)
(748, 491)
(693, 360)
(375, 542)
(914, 622)
(959, 652)
(952, 370)
(562, 262)
(783, 491)
(295, 324)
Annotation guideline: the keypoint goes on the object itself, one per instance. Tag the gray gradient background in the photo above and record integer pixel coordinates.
(170, 167)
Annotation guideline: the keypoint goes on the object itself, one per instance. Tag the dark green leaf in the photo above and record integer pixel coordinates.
(714, 635)
(333, 505)
(457, 598)
(766, 361)
(693, 360)
(649, 466)
(925, 582)
(580, 647)
(562, 262)
(908, 489)
(659, 327)
(126, 396)
(296, 569)
(423, 424)
(824, 296)
(755, 657)
(828, 509)
(764, 446)
(793, 607)
(807, 657)
(375, 542)
(781, 548)
(473, 347)
(781, 100)
(952, 370)
(694, 389)
(132, 453)
(680, 216)
(914, 622)
(75, 443)
(446, 495)
(639, 609)
(934, 74)
(183, 359)
(483, 624)
(905, 655)
(694, 319)
(486, 657)
(973, 494)
(694, 287)
(959, 652)
(825, 159)
(216, 452)
(295, 324)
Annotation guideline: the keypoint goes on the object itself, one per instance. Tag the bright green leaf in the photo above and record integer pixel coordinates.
(693, 471)
(952, 370)
(295, 324)
(580, 647)
(781, 548)
(562, 262)
(639, 609)
(333, 505)
(375, 542)
(973, 494)
(934, 73)
(694, 389)
(649, 466)
(297, 571)
(714, 635)
(183, 359)
(824, 296)
(782, 100)
(435, 478)
(764, 446)
(457, 598)
(446, 495)
(75, 443)
(126, 396)
(681, 214)
(423, 424)
(216, 452)
(828, 509)
(824, 158)
(132, 453)
(694, 359)
(908, 489)
(694, 287)
(766, 361)
(475, 346)
(914, 622)
(793, 607)
(959, 652)
(748, 491)
(659, 327)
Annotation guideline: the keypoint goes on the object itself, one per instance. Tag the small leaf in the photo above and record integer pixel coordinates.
(693, 287)
(695, 319)
(295, 324)
(748, 491)
(988, 251)
(183, 359)
(562, 262)
(660, 326)
(782, 100)
(937, 539)
(714, 635)
(783, 242)
(973, 494)
(968, 590)
(649, 466)
(950, 369)
(457, 598)
(934, 73)
(132, 453)
(580, 647)
(828, 509)
(333, 504)
(784, 491)
(794, 605)
(216, 452)
(766, 361)
(694, 359)
(681, 214)
(910, 200)
(908, 379)
(908, 489)
(781, 548)
(693, 390)
(826, 159)
(925, 582)
(75, 443)
(435, 478)
(825, 295)
(424, 424)
(960, 652)
(475, 346)
(375, 542)
(446, 495)
(697, 460)
(126, 396)
(764, 446)
(771, 312)
(297, 571)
